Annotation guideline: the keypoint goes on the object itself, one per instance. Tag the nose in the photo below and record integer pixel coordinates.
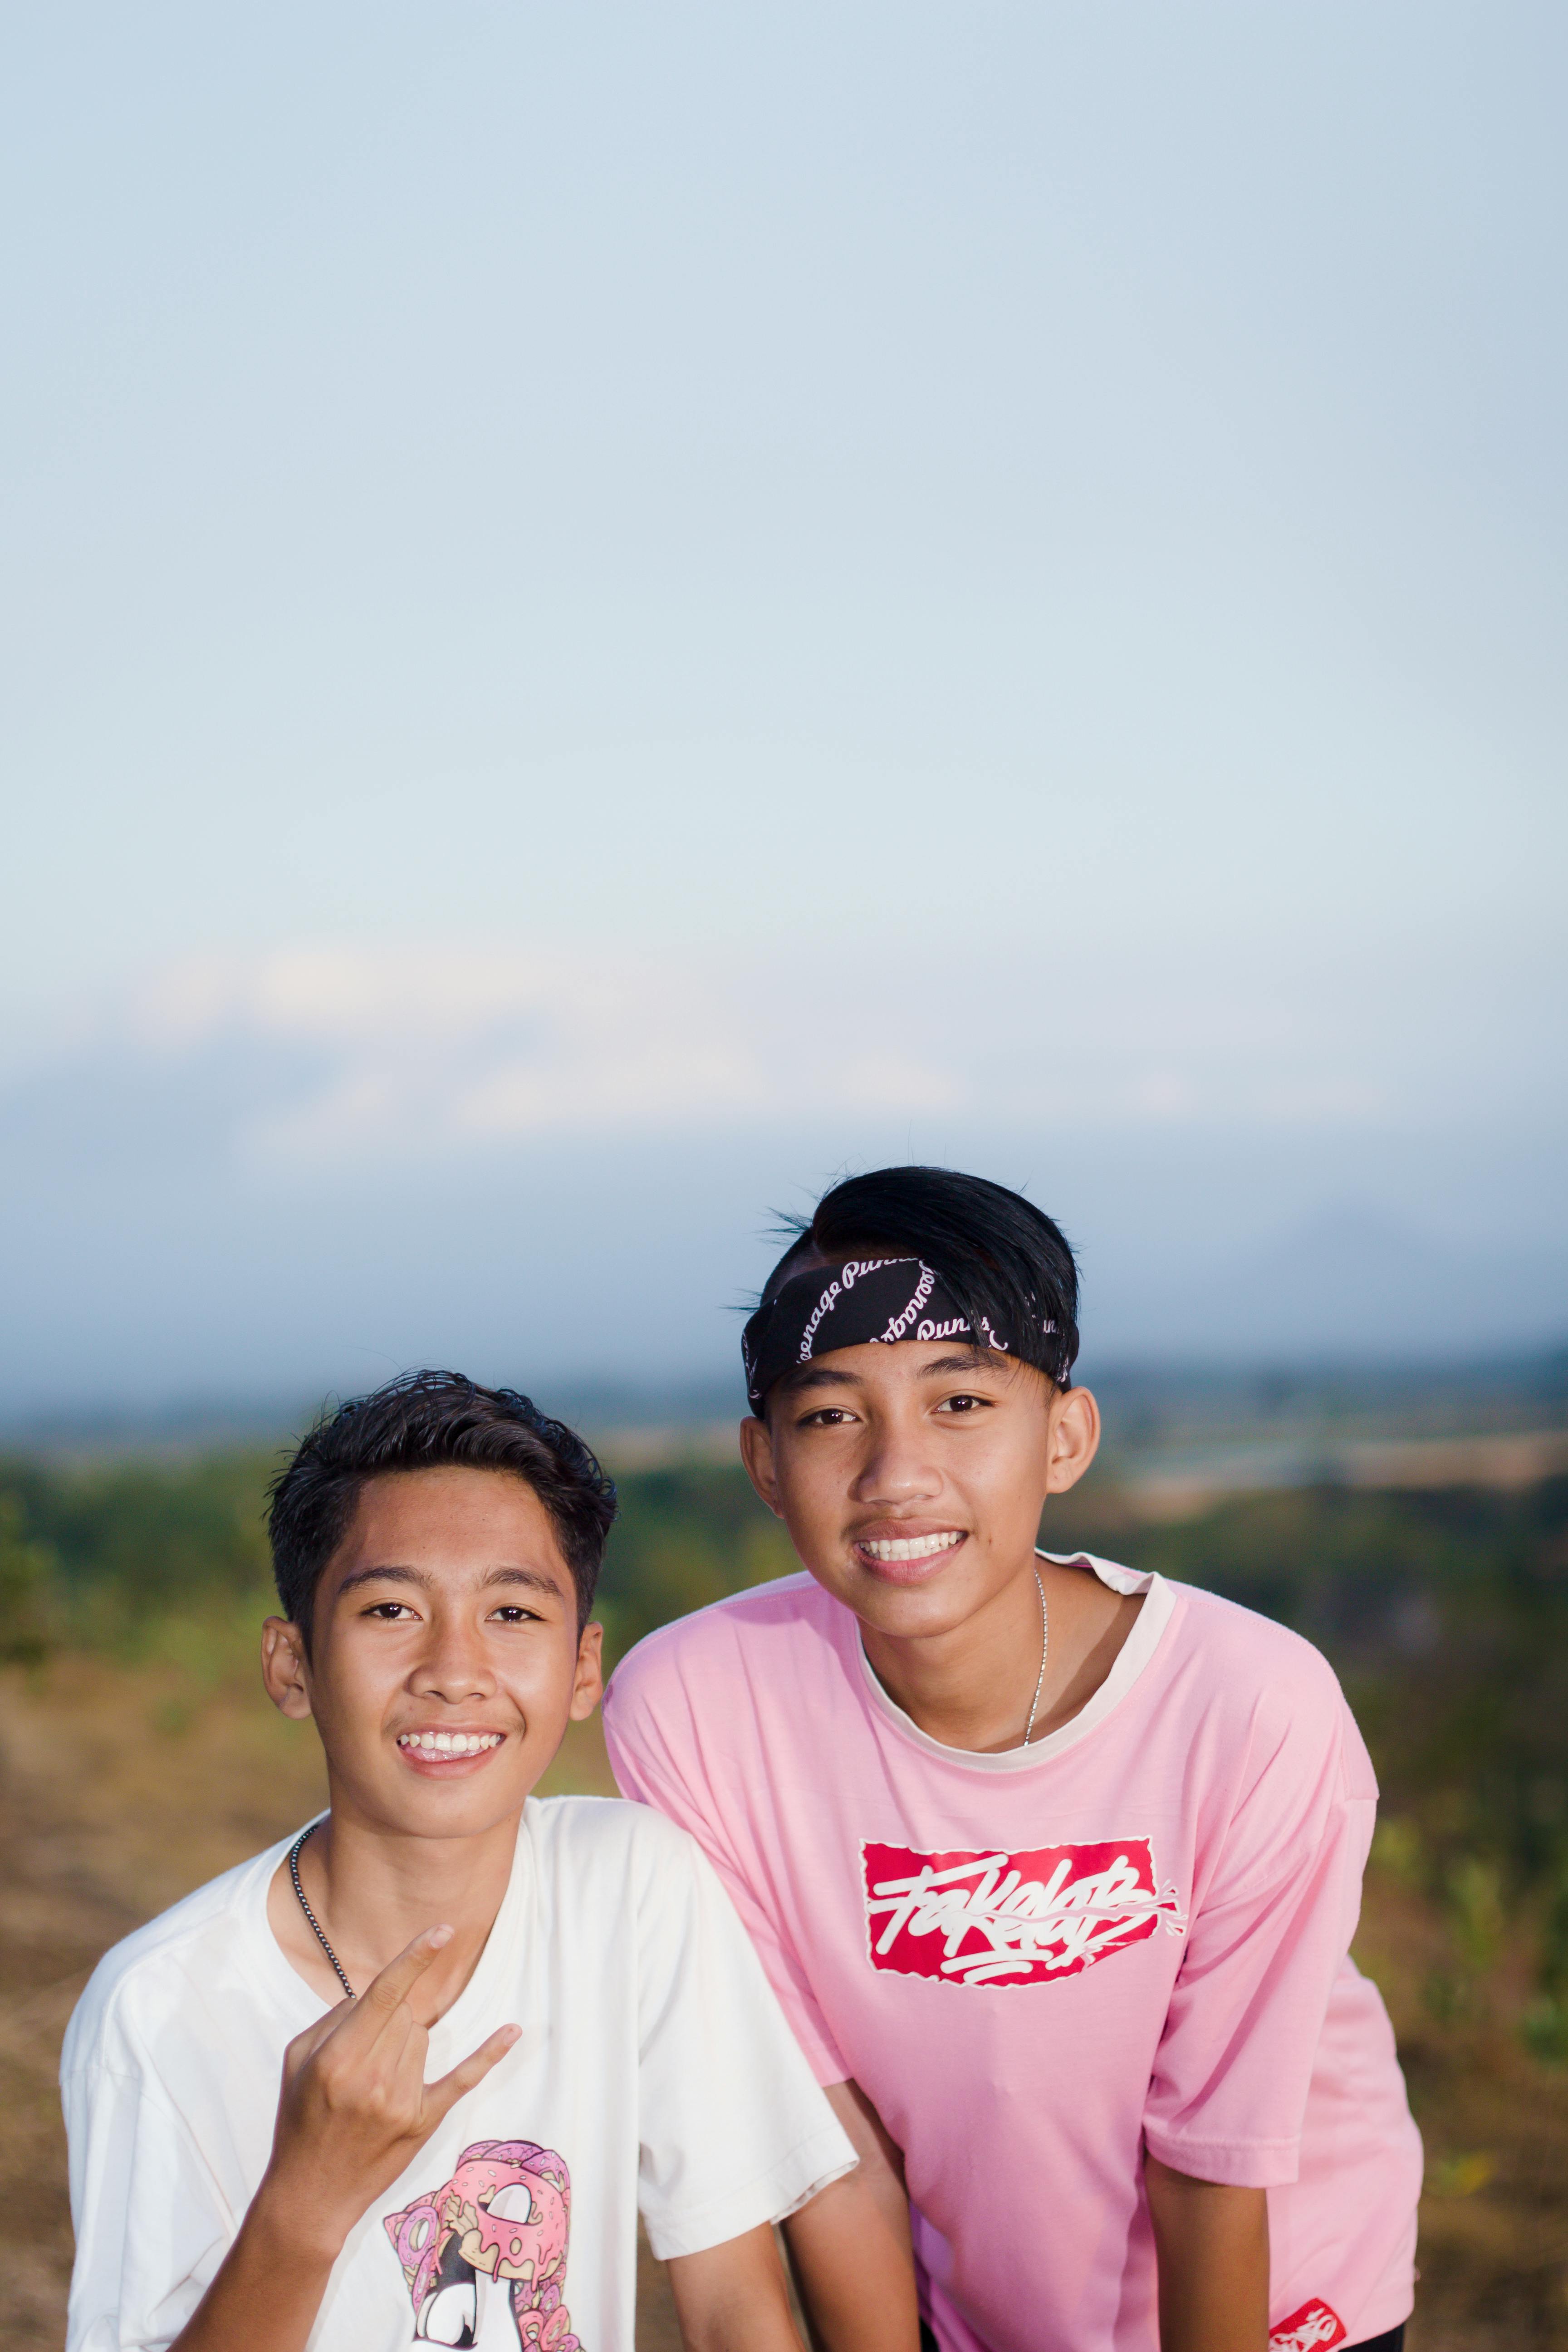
(455, 1665)
(897, 1466)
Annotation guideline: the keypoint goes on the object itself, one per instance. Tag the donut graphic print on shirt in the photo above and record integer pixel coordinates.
(484, 2256)
(991, 1918)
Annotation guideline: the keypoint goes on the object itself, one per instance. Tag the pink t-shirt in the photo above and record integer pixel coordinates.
(1131, 1934)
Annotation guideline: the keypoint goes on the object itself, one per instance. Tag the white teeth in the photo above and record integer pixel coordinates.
(433, 1744)
(913, 1547)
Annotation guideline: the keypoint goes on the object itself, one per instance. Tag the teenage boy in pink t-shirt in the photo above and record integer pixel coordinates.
(1055, 1866)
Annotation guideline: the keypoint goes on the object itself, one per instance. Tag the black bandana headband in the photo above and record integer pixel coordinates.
(864, 1300)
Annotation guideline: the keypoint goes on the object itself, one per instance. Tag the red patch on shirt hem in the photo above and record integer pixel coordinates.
(1316, 2327)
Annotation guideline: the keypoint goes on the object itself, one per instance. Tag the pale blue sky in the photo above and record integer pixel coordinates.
(773, 585)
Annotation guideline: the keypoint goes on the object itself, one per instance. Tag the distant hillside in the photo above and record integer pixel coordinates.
(1268, 1397)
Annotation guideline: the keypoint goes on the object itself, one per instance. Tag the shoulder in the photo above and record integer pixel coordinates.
(144, 1980)
(1222, 1651)
(791, 1615)
(1254, 1655)
(1252, 1675)
(617, 1873)
(582, 1840)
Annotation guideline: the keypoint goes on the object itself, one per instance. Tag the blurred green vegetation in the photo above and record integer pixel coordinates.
(1445, 1614)
(684, 1537)
(116, 1551)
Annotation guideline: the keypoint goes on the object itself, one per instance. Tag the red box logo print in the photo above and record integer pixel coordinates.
(1316, 2327)
(1011, 1918)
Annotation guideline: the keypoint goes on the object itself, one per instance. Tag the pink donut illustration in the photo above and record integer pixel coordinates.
(484, 2256)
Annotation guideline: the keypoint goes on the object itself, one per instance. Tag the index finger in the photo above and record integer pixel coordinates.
(386, 1993)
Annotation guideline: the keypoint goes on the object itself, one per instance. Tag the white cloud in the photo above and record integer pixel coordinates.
(269, 1166)
(339, 994)
(330, 1053)
(433, 1050)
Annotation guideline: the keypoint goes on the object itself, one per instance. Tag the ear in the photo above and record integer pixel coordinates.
(1074, 1439)
(588, 1682)
(757, 1454)
(286, 1669)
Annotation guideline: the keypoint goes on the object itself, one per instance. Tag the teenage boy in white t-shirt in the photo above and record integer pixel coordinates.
(1055, 1866)
(500, 2025)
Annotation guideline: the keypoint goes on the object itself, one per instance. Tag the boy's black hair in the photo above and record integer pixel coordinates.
(428, 1420)
(995, 1252)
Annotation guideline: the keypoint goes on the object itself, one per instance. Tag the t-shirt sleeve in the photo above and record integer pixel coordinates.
(661, 1757)
(733, 2129)
(1271, 1925)
(152, 2224)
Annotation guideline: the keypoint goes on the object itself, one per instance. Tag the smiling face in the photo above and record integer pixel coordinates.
(912, 1476)
(444, 1661)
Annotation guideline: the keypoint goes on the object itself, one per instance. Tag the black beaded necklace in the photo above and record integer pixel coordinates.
(315, 1923)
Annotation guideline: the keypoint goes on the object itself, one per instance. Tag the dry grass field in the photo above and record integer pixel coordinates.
(122, 1786)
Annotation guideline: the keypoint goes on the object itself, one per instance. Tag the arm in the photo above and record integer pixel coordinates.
(268, 2286)
(353, 2110)
(1211, 2245)
(1270, 1929)
(850, 2246)
(733, 2299)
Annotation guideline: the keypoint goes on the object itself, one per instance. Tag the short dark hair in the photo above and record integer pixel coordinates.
(428, 1420)
(996, 1253)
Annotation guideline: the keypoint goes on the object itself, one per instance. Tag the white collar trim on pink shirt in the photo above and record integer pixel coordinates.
(1159, 1606)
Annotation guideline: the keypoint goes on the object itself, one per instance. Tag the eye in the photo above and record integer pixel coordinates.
(513, 1612)
(391, 1612)
(828, 1416)
(962, 1404)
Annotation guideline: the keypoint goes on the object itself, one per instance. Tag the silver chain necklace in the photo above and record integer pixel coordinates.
(1028, 1728)
(315, 1923)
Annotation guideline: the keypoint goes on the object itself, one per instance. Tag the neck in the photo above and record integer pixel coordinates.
(971, 1687)
(373, 1889)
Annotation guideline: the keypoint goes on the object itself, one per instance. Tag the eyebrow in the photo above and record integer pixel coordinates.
(536, 1579)
(828, 1376)
(816, 1376)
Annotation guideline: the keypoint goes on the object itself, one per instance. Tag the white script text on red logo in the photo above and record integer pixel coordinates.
(1011, 1918)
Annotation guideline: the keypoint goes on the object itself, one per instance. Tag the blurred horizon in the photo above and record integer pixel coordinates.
(1173, 1432)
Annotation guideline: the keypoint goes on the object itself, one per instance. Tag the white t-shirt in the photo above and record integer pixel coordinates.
(654, 2069)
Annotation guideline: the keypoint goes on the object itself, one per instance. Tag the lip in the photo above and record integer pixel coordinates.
(448, 1768)
(907, 1571)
